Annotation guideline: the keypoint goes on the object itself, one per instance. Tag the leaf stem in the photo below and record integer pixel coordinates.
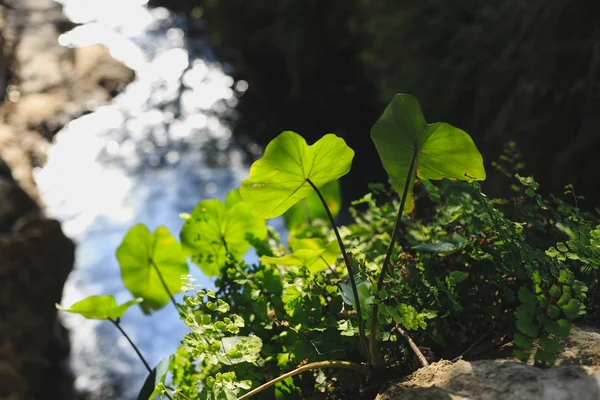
(116, 323)
(413, 346)
(361, 325)
(388, 255)
(315, 365)
(164, 284)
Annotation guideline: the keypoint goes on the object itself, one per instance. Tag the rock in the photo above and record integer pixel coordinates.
(576, 376)
(15, 204)
(51, 84)
(36, 260)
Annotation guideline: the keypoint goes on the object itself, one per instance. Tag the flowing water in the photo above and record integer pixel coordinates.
(159, 148)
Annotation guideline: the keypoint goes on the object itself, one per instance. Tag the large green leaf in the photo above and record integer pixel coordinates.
(141, 254)
(214, 228)
(442, 151)
(310, 208)
(278, 180)
(99, 307)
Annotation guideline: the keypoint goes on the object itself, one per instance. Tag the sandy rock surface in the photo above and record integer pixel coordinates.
(577, 377)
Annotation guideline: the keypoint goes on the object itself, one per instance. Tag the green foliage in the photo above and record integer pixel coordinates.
(149, 262)
(439, 150)
(99, 307)
(280, 178)
(215, 229)
(465, 268)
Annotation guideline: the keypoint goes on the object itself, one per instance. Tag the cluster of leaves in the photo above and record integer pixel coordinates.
(460, 271)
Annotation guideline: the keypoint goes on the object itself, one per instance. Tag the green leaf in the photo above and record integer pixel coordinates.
(549, 345)
(566, 277)
(278, 180)
(442, 151)
(311, 207)
(325, 259)
(522, 356)
(553, 312)
(440, 247)
(215, 228)
(559, 328)
(544, 358)
(158, 375)
(140, 255)
(523, 342)
(573, 309)
(298, 258)
(527, 327)
(458, 276)
(362, 286)
(238, 349)
(526, 296)
(580, 289)
(99, 307)
(290, 294)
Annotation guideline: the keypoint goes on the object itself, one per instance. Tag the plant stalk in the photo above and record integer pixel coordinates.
(372, 337)
(315, 365)
(164, 284)
(361, 325)
(137, 351)
(413, 346)
(139, 354)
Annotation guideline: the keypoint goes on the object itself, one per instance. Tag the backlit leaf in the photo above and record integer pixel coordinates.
(215, 228)
(442, 151)
(278, 180)
(99, 307)
(141, 254)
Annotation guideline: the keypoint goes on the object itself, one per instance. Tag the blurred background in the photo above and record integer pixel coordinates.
(124, 111)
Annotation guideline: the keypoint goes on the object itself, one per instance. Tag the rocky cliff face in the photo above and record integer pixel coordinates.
(44, 86)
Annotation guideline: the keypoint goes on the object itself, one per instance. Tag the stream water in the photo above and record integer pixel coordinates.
(158, 149)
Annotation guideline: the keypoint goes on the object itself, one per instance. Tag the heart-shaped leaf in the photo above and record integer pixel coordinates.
(279, 179)
(99, 307)
(142, 255)
(441, 150)
(310, 208)
(214, 228)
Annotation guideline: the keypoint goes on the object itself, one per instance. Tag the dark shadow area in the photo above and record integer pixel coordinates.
(526, 71)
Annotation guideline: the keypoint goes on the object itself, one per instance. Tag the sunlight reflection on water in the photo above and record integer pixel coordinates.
(162, 146)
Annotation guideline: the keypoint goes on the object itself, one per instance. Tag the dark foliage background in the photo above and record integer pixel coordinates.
(522, 70)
